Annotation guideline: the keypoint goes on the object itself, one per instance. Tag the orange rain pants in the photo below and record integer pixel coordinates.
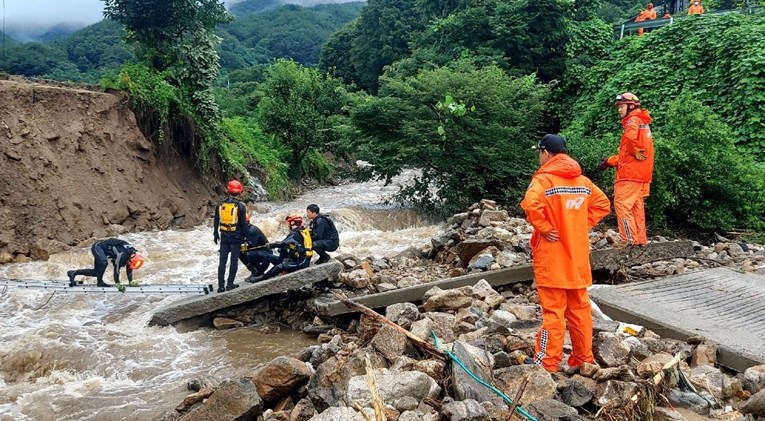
(630, 211)
(561, 306)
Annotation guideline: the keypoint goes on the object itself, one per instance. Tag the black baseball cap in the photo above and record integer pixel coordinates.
(552, 143)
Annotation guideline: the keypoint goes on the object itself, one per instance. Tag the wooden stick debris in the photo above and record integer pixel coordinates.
(425, 346)
(377, 403)
(518, 396)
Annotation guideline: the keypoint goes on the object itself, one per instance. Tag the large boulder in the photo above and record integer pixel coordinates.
(390, 342)
(467, 410)
(280, 377)
(713, 380)
(540, 385)
(610, 350)
(480, 363)
(754, 378)
(233, 400)
(550, 409)
(394, 387)
(450, 299)
(342, 413)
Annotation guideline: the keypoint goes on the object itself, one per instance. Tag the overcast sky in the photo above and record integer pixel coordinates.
(46, 11)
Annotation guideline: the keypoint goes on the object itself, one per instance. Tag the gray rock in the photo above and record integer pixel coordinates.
(540, 385)
(489, 216)
(502, 318)
(303, 410)
(713, 380)
(222, 323)
(614, 393)
(450, 299)
(403, 314)
(690, 400)
(577, 393)
(638, 349)
(341, 413)
(232, 400)
(422, 328)
(667, 414)
(358, 278)
(501, 360)
(443, 325)
(610, 350)
(550, 409)
(521, 312)
(480, 363)
(754, 378)
(704, 354)
(467, 410)
(280, 377)
(481, 262)
(649, 366)
(389, 342)
(392, 387)
(603, 325)
(409, 416)
(755, 404)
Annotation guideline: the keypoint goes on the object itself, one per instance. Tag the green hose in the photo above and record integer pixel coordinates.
(483, 383)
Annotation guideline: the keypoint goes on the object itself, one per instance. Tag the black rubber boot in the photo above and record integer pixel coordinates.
(103, 284)
(253, 279)
(230, 287)
(71, 274)
(322, 260)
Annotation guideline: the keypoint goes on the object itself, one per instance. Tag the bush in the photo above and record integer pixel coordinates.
(701, 180)
(246, 145)
(469, 131)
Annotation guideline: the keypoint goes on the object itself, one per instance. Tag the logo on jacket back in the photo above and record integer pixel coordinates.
(574, 203)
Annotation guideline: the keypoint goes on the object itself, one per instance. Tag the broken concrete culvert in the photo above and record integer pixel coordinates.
(491, 328)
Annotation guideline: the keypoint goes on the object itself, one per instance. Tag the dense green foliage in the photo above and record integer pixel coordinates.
(253, 6)
(721, 62)
(246, 149)
(290, 31)
(485, 152)
(304, 111)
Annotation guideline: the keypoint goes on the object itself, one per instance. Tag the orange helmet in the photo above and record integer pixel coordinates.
(294, 220)
(234, 187)
(136, 261)
(627, 98)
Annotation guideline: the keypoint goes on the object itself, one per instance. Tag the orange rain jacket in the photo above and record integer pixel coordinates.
(696, 9)
(650, 14)
(561, 198)
(636, 137)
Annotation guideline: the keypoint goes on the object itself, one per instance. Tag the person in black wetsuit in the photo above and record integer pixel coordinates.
(323, 233)
(294, 251)
(255, 253)
(228, 229)
(119, 252)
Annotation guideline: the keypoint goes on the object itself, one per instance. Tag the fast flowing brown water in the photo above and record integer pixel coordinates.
(89, 357)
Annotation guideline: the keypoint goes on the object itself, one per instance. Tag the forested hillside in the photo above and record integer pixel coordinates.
(86, 55)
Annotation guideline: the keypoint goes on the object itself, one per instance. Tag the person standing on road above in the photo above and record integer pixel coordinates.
(634, 170)
(562, 205)
(323, 233)
(229, 227)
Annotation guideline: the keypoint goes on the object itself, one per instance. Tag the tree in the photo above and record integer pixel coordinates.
(301, 108)
(463, 154)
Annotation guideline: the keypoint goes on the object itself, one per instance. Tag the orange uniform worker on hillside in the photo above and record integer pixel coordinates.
(696, 8)
(634, 169)
(562, 205)
(648, 14)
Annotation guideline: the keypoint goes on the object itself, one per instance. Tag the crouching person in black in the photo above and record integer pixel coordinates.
(119, 252)
(323, 233)
(295, 250)
(256, 254)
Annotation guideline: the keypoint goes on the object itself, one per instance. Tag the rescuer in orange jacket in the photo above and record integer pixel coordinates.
(562, 205)
(634, 169)
(696, 8)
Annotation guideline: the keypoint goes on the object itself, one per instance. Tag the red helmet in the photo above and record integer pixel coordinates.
(294, 220)
(234, 187)
(136, 261)
(627, 98)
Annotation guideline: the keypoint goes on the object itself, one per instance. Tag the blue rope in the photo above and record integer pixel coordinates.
(483, 383)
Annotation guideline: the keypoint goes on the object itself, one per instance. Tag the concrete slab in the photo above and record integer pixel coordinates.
(247, 292)
(600, 259)
(722, 305)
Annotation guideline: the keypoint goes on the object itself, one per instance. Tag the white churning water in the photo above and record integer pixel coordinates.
(88, 357)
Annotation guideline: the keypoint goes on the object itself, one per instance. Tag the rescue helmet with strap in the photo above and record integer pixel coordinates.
(234, 187)
(627, 98)
(294, 220)
(136, 261)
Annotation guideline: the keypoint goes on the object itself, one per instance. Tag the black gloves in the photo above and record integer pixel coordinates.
(216, 238)
(604, 165)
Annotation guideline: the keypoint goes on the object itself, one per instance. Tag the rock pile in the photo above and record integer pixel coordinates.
(490, 332)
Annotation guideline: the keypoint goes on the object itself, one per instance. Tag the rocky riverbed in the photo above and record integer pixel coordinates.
(489, 330)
